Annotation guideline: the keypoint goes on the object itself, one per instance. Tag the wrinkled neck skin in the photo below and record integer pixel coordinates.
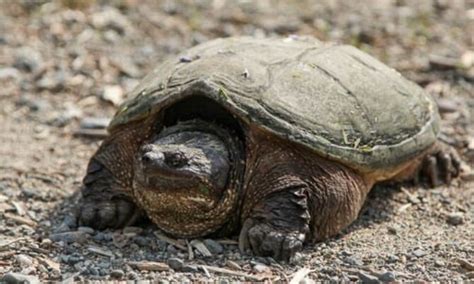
(187, 178)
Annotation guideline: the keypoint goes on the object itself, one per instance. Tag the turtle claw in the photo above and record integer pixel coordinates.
(265, 240)
(441, 166)
(101, 214)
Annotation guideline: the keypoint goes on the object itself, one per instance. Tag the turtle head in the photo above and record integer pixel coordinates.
(185, 178)
(188, 160)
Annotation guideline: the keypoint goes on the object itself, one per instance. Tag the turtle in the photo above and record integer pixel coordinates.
(275, 140)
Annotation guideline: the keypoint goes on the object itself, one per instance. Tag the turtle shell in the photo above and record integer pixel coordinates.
(334, 99)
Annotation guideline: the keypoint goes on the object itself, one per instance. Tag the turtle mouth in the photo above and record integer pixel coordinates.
(165, 172)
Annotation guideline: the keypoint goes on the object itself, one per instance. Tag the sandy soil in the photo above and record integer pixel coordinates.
(63, 64)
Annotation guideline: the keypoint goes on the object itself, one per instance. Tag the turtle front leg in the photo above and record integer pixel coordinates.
(105, 203)
(278, 225)
(440, 165)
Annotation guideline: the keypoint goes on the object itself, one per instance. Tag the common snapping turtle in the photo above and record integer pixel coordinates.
(281, 139)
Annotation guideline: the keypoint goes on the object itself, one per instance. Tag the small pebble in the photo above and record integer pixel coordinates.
(131, 229)
(307, 280)
(69, 237)
(176, 263)
(14, 278)
(117, 273)
(87, 230)
(98, 237)
(470, 275)
(141, 241)
(353, 261)
(261, 268)
(185, 59)
(24, 260)
(190, 268)
(113, 94)
(224, 281)
(393, 229)
(455, 218)
(387, 276)
(213, 246)
(28, 59)
(9, 73)
(367, 278)
(234, 265)
(419, 253)
(392, 258)
(172, 250)
(132, 275)
(93, 271)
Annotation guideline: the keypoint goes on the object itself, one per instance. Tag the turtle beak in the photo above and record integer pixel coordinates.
(153, 159)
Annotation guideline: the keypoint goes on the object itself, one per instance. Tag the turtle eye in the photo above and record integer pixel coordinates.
(175, 159)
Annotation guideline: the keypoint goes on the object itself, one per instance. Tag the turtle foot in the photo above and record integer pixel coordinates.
(265, 240)
(441, 165)
(101, 214)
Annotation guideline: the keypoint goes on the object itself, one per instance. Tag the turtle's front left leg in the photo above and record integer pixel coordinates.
(278, 225)
(105, 203)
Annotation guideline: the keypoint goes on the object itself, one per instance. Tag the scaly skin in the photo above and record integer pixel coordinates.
(287, 196)
(107, 197)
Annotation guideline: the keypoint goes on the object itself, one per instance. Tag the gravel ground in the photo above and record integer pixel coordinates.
(64, 67)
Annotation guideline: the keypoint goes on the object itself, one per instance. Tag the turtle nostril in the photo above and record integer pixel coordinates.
(152, 158)
(148, 158)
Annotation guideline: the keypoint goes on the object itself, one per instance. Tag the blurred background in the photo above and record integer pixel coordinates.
(65, 65)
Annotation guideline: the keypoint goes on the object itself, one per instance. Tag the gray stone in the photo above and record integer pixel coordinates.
(66, 116)
(14, 278)
(113, 94)
(172, 250)
(132, 275)
(367, 278)
(455, 218)
(353, 261)
(176, 263)
(392, 258)
(28, 59)
(23, 260)
(69, 237)
(52, 82)
(190, 268)
(111, 19)
(141, 241)
(9, 73)
(73, 259)
(117, 273)
(33, 193)
(87, 230)
(419, 253)
(128, 229)
(213, 246)
(98, 237)
(261, 268)
(93, 271)
(387, 276)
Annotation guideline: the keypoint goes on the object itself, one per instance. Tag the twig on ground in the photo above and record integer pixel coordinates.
(232, 272)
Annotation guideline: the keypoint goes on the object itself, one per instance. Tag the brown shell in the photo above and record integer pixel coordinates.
(335, 99)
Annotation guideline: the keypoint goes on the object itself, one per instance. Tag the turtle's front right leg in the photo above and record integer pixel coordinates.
(105, 203)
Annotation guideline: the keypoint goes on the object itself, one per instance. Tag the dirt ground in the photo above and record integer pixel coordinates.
(65, 65)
